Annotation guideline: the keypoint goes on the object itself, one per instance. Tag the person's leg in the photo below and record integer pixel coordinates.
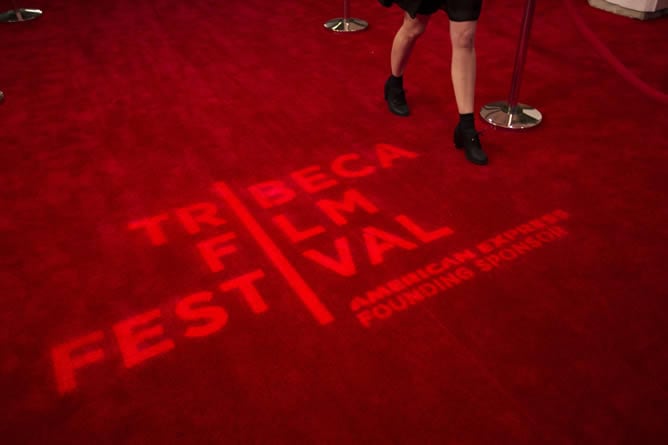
(463, 66)
(463, 16)
(404, 41)
(402, 47)
(463, 73)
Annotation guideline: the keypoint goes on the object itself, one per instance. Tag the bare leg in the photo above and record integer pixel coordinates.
(404, 41)
(463, 71)
(402, 46)
(463, 67)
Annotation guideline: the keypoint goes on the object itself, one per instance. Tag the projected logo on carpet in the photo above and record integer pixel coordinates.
(142, 337)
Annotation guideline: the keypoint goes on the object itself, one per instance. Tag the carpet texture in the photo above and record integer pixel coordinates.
(213, 230)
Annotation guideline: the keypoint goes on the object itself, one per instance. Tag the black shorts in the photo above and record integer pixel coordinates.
(457, 10)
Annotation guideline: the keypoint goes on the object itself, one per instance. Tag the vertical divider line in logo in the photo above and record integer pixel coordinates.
(291, 275)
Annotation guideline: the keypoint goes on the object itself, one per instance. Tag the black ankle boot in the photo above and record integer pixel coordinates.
(396, 99)
(469, 141)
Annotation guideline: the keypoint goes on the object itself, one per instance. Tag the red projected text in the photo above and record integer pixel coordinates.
(412, 288)
(156, 331)
(311, 221)
(143, 336)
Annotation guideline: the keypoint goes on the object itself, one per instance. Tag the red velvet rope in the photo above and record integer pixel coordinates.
(622, 70)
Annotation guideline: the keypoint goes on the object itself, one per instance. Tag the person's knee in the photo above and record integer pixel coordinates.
(414, 28)
(463, 37)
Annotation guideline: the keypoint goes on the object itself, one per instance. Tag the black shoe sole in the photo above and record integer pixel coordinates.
(398, 113)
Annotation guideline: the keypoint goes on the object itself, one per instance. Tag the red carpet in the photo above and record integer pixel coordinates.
(213, 231)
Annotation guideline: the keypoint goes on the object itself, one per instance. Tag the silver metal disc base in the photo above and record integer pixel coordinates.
(503, 115)
(346, 25)
(19, 15)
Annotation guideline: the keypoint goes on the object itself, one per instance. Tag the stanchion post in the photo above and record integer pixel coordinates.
(512, 114)
(19, 14)
(346, 23)
(2, 96)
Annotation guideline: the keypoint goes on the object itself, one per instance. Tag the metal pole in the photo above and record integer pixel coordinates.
(2, 96)
(345, 23)
(521, 55)
(19, 14)
(512, 114)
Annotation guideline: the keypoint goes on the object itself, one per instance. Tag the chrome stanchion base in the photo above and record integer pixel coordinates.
(503, 115)
(346, 25)
(19, 15)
